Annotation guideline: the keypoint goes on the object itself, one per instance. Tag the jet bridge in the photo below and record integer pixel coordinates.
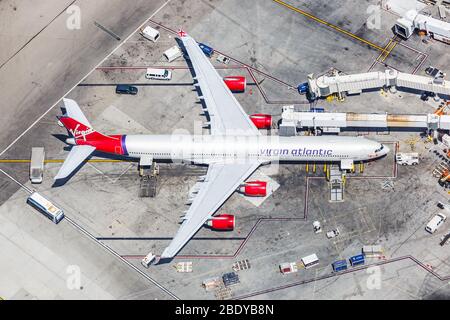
(336, 83)
(333, 122)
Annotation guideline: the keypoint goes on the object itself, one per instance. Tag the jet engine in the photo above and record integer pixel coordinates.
(262, 121)
(254, 189)
(236, 84)
(222, 222)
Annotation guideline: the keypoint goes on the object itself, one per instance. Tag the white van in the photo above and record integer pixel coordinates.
(435, 223)
(172, 53)
(158, 74)
(150, 33)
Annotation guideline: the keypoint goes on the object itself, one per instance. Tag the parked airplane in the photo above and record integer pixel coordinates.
(233, 151)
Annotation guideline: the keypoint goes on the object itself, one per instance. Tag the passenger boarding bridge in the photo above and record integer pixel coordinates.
(339, 84)
(333, 122)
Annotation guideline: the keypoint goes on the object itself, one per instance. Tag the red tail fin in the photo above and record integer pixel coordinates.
(81, 131)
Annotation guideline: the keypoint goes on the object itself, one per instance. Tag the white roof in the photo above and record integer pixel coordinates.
(150, 31)
(172, 51)
(156, 71)
(310, 259)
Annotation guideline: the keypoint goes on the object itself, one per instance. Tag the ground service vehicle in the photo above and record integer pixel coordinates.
(407, 159)
(37, 165)
(435, 223)
(126, 89)
(158, 74)
(46, 207)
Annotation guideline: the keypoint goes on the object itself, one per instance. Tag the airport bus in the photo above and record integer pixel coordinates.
(47, 208)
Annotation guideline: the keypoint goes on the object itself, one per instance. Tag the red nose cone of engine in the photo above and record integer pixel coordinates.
(254, 189)
(236, 84)
(262, 121)
(222, 222)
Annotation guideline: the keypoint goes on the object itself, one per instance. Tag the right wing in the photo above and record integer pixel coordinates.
(225, 112)
(221, 181)
(76, 156)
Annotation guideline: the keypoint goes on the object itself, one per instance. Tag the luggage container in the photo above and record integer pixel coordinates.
(310, 261)
(172, 54)
(339, 265)
(357, 260)
(207, 50)
(372, 251)
(288, 267)
(150, 34)
(230, 279)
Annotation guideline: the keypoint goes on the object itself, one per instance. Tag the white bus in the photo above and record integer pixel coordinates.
(46, 207)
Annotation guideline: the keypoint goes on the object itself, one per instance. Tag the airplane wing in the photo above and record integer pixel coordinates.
(220, 182)
(225, 112)
(76, 156)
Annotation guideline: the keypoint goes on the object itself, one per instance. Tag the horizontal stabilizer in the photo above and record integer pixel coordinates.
(73, 111)
(76, 156)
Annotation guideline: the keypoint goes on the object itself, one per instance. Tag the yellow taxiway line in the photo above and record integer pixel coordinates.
(339, 29)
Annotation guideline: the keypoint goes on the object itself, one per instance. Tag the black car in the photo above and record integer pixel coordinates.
(126, 89)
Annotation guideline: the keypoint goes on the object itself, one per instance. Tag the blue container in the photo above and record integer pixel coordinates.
(357, 260)
(303, 88)
(317, 110)
(207, 50)
(339, 265)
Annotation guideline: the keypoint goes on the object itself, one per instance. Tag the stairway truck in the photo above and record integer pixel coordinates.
(438, 29)
(407, 159)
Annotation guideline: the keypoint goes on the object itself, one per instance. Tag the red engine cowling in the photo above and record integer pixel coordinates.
(262, 121)
(222, 222)
(236, 84)
(254, 189)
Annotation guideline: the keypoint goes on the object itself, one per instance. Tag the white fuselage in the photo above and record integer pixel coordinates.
(211, 148)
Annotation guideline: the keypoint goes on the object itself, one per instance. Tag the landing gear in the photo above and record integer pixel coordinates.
(148, 171)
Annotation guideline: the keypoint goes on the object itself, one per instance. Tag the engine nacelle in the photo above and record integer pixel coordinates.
(236, 84)
(222, 222)
(262, 121)
(254, 189)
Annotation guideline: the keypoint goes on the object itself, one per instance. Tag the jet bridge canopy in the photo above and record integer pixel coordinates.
(326, 85)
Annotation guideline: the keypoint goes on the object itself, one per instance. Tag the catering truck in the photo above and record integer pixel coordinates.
(37, 165)
(437, 29)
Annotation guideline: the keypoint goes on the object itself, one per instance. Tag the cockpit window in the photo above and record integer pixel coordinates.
(378, 150)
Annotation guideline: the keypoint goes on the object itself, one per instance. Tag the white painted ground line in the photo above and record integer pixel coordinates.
(101, 62)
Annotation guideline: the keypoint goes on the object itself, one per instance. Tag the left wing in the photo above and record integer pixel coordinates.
(225, 113)
(76, 156)
(221, 181)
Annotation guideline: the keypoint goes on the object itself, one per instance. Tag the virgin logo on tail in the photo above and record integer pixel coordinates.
(81, 133)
